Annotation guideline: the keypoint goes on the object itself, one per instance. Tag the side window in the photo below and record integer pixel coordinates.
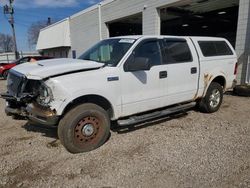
(223, 49)
(150, 50)
(176, 51)
(208, 49)
(214, 48)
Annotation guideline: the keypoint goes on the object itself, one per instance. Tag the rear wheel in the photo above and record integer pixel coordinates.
(5, 74)
(213, 99)
(84, 128)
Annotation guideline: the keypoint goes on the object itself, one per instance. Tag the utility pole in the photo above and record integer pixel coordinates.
(9, 9)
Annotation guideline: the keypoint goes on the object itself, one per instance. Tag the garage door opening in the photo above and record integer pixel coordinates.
(131, 25)
(202, 18)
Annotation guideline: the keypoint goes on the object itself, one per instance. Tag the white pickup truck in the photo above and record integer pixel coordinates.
(131, 79)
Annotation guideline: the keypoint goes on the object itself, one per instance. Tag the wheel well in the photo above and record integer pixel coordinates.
(95, 99)
(220, 80)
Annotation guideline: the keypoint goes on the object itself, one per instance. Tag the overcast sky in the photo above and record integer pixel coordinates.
(30, 11)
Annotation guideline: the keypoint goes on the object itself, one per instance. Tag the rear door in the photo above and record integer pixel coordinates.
(182, 65)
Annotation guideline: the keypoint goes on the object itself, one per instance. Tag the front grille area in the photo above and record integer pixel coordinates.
(14, 83)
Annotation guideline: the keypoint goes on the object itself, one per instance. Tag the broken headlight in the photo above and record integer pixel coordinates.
(44, 95)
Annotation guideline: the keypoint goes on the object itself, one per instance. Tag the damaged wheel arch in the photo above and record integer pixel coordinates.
(95, 99)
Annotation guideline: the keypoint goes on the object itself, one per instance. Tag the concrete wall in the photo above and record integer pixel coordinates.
(84, 31)
(84, 27)
(243, 42)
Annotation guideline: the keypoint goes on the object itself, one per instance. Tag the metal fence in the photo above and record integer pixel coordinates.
(10, 57)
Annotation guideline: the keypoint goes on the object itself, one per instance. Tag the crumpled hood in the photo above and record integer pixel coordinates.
(53, 67)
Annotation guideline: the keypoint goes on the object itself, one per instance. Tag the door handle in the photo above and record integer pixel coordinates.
(193, 70)
(163, 74)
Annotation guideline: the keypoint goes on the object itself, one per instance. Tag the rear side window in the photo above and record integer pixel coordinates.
(176, 51)
(214, 48)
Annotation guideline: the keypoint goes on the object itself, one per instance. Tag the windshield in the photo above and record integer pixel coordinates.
(109, 51)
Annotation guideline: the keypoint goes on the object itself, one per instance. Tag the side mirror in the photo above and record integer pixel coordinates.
(137, 64)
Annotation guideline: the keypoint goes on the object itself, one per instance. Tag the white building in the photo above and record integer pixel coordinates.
(223, 18)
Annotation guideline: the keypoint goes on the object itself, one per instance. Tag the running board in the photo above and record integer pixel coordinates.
(156, 114)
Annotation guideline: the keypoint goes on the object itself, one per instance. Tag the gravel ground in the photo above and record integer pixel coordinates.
(188, 150)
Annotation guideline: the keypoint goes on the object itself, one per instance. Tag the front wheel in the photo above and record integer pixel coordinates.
(213, 99)
(84, 128)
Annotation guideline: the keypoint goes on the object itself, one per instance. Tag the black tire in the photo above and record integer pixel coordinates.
(242, 90)
(84, 128)
(5, 74)
(210, 103)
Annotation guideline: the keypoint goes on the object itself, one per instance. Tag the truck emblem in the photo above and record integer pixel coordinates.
(116, 78)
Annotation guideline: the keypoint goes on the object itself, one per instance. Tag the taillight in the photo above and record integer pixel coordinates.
(235, 68)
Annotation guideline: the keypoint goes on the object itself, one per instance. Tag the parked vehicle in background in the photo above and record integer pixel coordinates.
(5, 67)
(129, 79)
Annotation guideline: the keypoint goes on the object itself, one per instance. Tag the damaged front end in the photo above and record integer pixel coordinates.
(29, 99)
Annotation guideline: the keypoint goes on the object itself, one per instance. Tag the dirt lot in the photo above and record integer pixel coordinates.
(191, 150)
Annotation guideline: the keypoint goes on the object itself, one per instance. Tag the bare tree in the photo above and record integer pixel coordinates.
(6, 43)
(34, 30)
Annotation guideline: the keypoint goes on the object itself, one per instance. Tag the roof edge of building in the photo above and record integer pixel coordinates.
(49, 48)
(56, 23)
(93, 7)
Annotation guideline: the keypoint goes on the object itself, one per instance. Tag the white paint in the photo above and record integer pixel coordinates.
(56, 35)
(133, 92)
(215, 66)
(46, 68)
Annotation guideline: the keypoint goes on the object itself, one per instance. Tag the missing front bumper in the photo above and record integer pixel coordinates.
(35, 114)
(23, 108)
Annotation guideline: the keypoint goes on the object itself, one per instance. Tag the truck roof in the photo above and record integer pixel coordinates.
(169, 36)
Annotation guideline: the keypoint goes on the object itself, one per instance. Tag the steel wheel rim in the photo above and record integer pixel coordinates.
(87, 130)
(214, 99)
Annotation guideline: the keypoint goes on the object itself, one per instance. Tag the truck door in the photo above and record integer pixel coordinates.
(143, 90)
(182, 66)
